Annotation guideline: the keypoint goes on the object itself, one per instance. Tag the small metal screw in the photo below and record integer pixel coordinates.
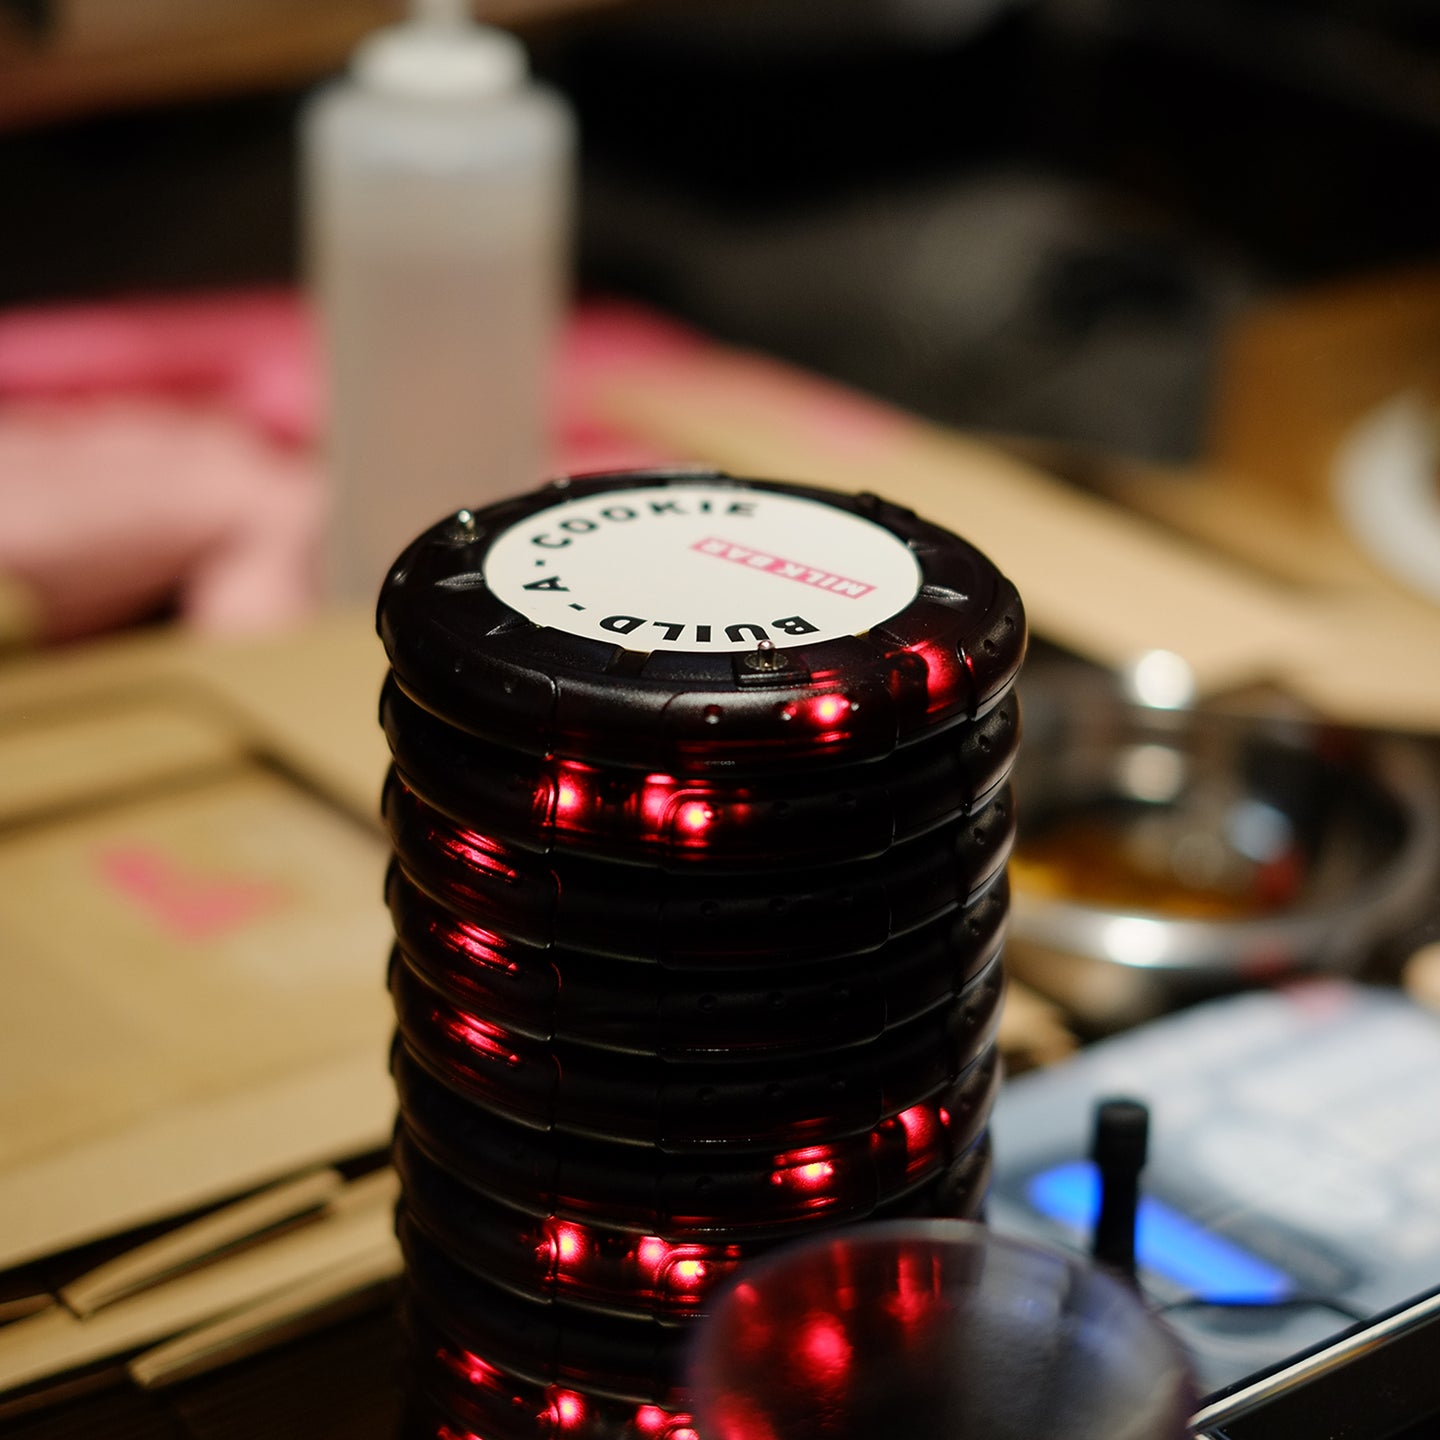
(462, 526)
(765, 657)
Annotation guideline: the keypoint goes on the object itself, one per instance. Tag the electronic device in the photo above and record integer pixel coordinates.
(1293, 1181)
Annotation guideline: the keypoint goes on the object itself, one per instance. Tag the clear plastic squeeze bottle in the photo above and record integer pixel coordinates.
(437, 191)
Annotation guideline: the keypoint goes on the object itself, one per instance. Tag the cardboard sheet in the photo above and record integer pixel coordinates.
(192, 953)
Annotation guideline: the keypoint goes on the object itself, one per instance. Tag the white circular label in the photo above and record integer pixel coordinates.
(702, 567)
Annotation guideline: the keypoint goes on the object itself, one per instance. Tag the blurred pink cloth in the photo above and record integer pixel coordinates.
(112, 509)
(160, 452)
(252, 352)
(163, 452)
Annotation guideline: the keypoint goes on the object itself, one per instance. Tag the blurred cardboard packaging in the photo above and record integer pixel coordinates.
(192, 938)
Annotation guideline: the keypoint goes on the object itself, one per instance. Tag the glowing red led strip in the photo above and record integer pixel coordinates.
(564, 1409)
(659, 800)
(478, 1035)
(810, 1168)
(476, 850)
(945, 670)
(680, 1266)
(482, 946)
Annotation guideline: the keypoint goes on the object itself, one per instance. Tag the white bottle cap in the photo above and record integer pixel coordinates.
(433, 60)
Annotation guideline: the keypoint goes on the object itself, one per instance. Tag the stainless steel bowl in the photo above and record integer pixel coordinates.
(1166, 855)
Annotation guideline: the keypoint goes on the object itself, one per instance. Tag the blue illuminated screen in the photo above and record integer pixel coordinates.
(1167, 1242)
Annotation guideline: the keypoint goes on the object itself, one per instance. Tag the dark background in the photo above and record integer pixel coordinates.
(1026, 217)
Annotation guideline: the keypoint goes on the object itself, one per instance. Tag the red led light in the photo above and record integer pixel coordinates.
(919, 1126)
(582, 796)
(566, 1410)
(477, 1035)
(469, 1367)
(476, 850)
(655, 799)
(945, 669)
(584, 799)
(923, 1135)
(687, 1274)
(481, 946)
(686, 1271)
(652, 1252)
(827, 710)
(566, 1243)
(663, 802)
(694, 816)
(807, 1169)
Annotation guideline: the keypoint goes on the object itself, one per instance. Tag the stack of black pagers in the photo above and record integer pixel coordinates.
(697, 949)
